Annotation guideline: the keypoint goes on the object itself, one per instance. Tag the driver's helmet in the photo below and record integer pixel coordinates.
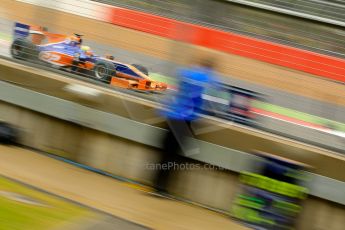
(86, 50)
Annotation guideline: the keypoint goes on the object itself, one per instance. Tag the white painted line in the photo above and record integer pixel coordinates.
(21, 198)
(336, 133)
(84, 90)
(215, 99)
(325, 130)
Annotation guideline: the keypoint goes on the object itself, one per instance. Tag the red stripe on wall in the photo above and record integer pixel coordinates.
(317, 64)
(144, 22)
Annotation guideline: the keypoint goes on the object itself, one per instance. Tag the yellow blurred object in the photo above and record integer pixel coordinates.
(85, 48)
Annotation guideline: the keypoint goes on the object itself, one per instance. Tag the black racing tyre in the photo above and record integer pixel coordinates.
(8, 134)
(141, 68)
(104, 70)
(24, 49)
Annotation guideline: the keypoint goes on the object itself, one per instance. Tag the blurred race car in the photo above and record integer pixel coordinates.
(231, 103)
(35, 43)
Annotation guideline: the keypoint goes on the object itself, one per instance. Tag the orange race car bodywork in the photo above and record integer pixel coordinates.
(67, 53)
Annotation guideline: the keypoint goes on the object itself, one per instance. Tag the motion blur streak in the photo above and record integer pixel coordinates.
(252, 103)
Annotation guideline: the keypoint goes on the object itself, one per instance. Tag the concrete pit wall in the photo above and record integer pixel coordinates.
(326, 163)
(128, 159)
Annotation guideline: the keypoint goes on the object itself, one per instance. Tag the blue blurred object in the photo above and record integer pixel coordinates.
(21, 30)
(187, 101)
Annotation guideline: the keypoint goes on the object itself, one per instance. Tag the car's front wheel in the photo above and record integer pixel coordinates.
(104, 70)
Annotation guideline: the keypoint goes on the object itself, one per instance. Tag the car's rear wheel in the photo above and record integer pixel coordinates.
(24, 49)
(104, 70)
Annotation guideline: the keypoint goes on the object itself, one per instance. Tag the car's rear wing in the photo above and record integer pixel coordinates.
(22, 30)
(36, 33)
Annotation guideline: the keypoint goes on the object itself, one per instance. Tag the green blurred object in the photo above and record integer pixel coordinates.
(300, 115)
(23, 208)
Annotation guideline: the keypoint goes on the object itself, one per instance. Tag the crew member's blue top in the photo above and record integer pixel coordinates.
(185, 104)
